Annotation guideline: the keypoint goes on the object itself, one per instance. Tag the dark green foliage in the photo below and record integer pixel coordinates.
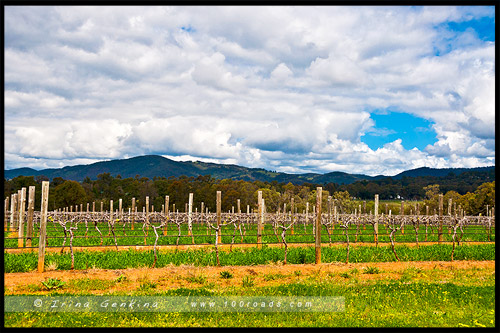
(25, 262)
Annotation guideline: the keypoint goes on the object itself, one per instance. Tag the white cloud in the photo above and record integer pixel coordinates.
(281, 73)
(284, 88)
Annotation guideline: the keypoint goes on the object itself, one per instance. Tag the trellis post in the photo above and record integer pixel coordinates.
(133, 213)
(5, 218)
(189, 215)
(260, 219)
(440, 228)
(29, 222)
(167, 199)
(450, 203)
(43, 226)
(13, 206)
(402, 213)
(375, 225)
(219, 208)
(120, 211)
(306, 217)
(111, 211)
(22, 204)
(319, 192)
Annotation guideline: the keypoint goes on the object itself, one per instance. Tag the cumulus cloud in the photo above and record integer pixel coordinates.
(283, 88)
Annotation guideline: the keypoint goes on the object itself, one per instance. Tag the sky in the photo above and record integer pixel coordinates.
(366, 90)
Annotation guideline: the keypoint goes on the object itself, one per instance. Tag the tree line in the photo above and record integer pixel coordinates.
(277, 196)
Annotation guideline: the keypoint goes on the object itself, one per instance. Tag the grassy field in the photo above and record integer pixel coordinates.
(424, 289)
(411, 294)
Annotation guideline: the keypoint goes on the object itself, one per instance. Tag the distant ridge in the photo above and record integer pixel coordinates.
(425, 171)
(151, 166)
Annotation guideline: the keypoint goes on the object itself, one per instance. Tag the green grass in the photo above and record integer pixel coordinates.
(226, 275)
(376, 304)
(431, 297)
(111, 259)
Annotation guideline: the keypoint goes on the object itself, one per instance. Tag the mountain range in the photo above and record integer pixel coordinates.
(151, 166)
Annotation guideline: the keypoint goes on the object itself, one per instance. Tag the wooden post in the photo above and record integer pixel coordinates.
(120, 211)
(5, 218)
(111, 211)
(440, 228)
(375, 225)
(319, 192)
(307, 215)
(133, 213)
(147, 210)
(335, 217)
(22, 204)
(219, 208)
(292, 214)
(402, 213)
(260, 219)
(18, 208)
(43, 226)
(167, 211)
(29, 222)
(329, 211)
(13, 205)
(450, 203)
(189, 215)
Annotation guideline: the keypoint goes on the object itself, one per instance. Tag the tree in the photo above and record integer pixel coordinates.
(455, 198)
(41, 178)
(431, 196)
(482, 197)
(271, 198)
(57, 181)
(344, 201)
(467, 202)
(69, 193)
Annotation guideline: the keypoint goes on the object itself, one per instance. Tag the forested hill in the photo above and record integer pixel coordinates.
(151, 166)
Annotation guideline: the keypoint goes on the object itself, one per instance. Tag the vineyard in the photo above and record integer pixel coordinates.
(118, 240)
(91, 229)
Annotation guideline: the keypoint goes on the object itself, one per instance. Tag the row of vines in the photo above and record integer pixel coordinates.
(96, 229)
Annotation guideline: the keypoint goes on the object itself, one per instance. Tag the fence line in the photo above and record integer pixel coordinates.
(254, 228)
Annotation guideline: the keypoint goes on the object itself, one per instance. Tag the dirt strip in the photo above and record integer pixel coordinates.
(190, 276)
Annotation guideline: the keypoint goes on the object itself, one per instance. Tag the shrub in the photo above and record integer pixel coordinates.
(226, 275)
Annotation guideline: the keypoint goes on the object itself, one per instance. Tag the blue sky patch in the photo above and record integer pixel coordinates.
(484, 27)
(390, 126)
(189, 28)
(452, 34)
